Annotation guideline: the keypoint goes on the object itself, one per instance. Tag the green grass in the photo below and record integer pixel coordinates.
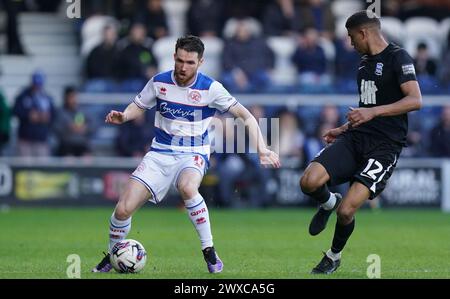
(35, 243)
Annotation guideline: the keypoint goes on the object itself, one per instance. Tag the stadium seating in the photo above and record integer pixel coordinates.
(163, 49)
(176, 11)
(50, 42)
(213, 57)
(445, 28)
(340, 30)
(393, 30)
(344, 8)
(284, 72)
(423, 29)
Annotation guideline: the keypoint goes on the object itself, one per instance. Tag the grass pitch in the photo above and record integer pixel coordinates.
(256, 244)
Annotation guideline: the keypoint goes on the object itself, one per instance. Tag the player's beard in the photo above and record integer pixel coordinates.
(184, 78)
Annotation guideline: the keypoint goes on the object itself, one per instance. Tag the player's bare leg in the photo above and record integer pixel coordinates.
(188, 184)
(134, 196)
(313, 183)
(345, 224)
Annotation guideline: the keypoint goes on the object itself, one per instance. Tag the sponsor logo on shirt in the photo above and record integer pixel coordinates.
(368, 92)
(176, 113)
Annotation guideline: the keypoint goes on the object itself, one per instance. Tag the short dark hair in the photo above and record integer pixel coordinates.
(422, 46)
(69, 89)
(362, 18)
(191, 43)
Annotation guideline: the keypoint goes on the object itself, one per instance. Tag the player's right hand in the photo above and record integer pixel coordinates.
(115, 117)
(331, 135)
(268, 158)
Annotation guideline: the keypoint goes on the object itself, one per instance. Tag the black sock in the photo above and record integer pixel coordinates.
(321, 195)
(341, 234)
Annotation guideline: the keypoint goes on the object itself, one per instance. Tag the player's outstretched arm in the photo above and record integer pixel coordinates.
(412, 101)
(266, 156)
(130, 113)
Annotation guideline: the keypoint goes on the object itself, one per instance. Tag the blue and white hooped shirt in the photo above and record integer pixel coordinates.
(183, 114)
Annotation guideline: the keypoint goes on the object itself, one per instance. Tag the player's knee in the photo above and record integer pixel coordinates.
(345, 214)
(122, 212)
(309, 183)
(187, 190)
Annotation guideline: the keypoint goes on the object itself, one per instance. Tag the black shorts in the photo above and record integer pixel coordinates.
(355, 156)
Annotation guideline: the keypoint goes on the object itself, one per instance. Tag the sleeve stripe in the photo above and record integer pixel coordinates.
(231, 106)
(139, 105)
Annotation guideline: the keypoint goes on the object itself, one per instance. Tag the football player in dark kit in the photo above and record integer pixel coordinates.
(365, 150)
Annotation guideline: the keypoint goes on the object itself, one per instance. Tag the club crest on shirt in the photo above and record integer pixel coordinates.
(198, 160)
(163, 91)
(379, 69)
(195, 97)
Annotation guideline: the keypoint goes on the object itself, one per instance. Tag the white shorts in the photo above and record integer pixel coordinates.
(158, 171)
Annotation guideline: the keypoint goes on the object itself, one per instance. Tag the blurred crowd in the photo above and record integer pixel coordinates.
(117, 39)
(117, 42)
(122, 57)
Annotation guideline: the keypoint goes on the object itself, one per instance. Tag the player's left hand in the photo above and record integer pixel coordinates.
(268, 158)
(358, 116)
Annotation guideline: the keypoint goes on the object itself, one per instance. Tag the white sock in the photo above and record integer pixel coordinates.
(329, 205)
(198, 213)
(333, 256)
(118, 230)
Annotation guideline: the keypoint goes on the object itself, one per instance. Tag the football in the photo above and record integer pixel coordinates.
(128, 256)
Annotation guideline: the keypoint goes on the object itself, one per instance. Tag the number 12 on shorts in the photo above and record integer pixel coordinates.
(372, 169)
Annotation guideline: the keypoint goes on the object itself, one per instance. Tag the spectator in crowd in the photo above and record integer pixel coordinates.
(240, 179)
(135, 137)
(35, 111)
(311, 62)
(423, 63)
(125, 10)
(435, 9)
(440, 135)
(425, 68)
(14, 44)
(155, 19)
(206, 17)
(281, 17)
(92, 30)
(415, 139)
(137, 64)
(243, 70)
(444, 71)
(5, 122)
(73, 127)
(101, 68)
(391, 8)
(242, 9)
(315, 143)
(48, 5)
(346, 66)
(291, 140)
(318, 14)
(330, 116)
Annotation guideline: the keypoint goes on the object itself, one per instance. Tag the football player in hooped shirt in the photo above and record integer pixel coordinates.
(366, 149)
(186, 101)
